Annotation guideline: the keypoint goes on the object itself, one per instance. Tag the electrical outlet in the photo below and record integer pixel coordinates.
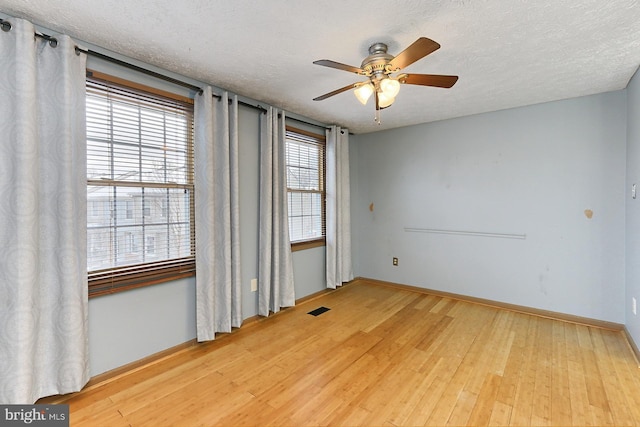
(633, 305)
(254, 285)
(395, 261)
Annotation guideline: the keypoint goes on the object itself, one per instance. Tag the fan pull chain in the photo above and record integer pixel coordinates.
(376, 118)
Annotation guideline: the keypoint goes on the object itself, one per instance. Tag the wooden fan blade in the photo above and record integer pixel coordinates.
(435, 80)
(418, 49)
(339, 66)
(335, 92)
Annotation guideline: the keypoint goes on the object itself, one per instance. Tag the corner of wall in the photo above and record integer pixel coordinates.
(632, 211)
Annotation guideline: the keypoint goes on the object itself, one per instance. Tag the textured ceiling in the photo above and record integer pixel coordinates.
(508, 53)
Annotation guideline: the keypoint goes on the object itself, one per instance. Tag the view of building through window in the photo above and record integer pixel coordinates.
(129, 225)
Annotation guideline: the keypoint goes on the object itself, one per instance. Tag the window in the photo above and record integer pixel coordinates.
(305, 187)
(164, 207)
(129, 209)
(139, 186)
(146, 209)
(130, 241)
(150, 245)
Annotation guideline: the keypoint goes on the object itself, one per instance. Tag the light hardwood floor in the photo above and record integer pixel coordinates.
(382, 356)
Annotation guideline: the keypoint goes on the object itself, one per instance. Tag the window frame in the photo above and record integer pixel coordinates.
(122, 278)
(320, 140)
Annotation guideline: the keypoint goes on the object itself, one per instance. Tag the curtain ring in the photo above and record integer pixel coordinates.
(6, 25)
(53, 42)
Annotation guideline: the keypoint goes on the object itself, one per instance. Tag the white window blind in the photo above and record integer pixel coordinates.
(139, 187)
(305, 160)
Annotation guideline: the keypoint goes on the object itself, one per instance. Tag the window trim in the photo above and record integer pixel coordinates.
(319, 241)
(308, 244)
(123, 278)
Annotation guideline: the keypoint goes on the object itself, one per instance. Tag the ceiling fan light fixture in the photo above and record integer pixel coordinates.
(364, 92)
(390, 87)
(384, 100)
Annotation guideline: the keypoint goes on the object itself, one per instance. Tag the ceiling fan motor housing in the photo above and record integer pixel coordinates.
(375, 65)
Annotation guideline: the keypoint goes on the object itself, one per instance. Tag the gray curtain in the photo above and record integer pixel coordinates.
(218, 281)
(338, 221)
(43, 227)
(275, 265)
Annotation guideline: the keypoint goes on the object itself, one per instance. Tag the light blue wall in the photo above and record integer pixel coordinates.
(633, 207)
(309, 271)
(249, 161)
(530, 171)
(131, 325)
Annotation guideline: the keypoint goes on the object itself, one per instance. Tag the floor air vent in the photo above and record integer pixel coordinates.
(318, 311)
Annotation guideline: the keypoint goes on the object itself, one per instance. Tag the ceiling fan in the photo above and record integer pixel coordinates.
(379, 67)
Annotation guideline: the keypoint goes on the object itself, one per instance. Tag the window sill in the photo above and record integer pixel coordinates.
(300, 246)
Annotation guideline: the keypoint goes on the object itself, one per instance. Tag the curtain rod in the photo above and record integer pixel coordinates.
(125, 64)
(246, 104)
(312, 124)
(6, 26)
(307, 123)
